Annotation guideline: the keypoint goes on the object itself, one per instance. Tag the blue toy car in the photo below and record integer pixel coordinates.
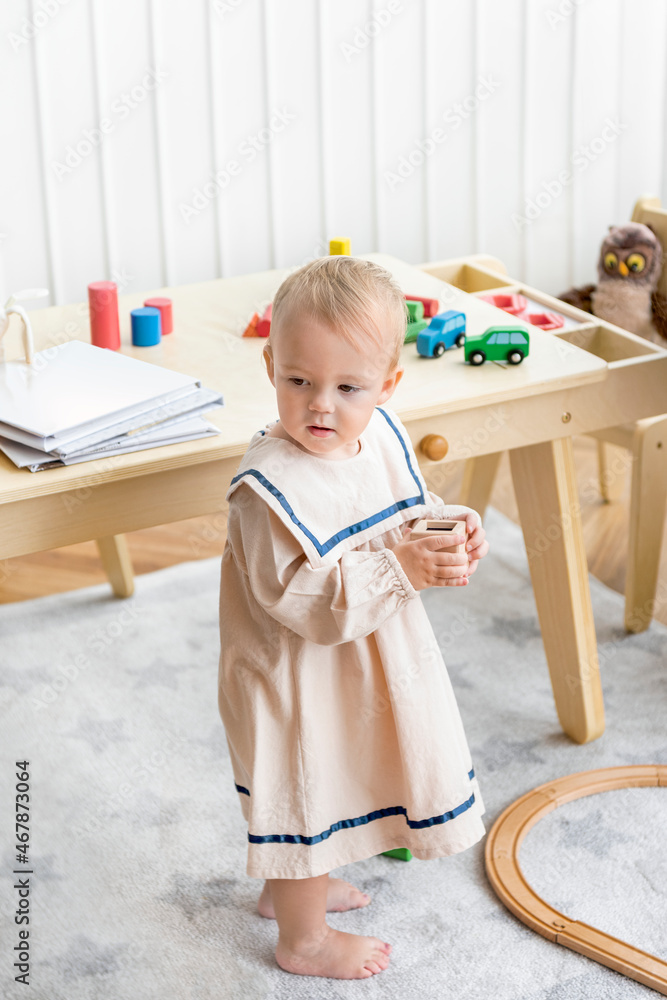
(445, 330)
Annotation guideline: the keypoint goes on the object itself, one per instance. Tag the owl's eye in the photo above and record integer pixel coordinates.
(636, 262)
(610, 261)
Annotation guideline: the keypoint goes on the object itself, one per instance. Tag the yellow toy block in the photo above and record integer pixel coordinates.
(339, 247)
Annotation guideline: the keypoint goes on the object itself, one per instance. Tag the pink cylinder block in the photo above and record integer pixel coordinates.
(164, 305)
(104, 325)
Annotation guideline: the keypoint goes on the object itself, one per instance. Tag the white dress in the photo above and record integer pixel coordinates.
(343, 729)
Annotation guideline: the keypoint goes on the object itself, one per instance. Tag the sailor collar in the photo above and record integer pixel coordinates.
(334, 506)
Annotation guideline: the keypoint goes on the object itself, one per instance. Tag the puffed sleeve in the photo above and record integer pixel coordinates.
(327, 605)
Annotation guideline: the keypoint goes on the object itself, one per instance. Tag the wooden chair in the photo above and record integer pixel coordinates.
(646, 442)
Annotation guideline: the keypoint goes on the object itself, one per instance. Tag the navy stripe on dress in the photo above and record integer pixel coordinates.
(346, 824)
(400, 438)
(324, 547)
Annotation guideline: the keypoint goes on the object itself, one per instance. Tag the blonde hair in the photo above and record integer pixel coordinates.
(357, 298)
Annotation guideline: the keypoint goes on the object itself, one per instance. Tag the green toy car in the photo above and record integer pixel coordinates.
(498, 343)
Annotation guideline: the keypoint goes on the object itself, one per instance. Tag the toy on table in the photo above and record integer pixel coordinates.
(251, 329)
(445, 330)
(166, 315)
(517, 305)
(416, 321)
(430, 305)
(498, 343)
(259, 326)
(264, 325)
(146, 326)
(104, 324)
(629, 268)
(545, 320)
(340, 248)
(10, 308)
(513, 304)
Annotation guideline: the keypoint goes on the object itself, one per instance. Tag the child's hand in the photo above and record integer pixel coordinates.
(476, 543)
(426, 565)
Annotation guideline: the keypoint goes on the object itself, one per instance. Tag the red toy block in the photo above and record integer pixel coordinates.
(104, 323)
(164, 305)
(251, 329)
(512, 304)
(430, 305)
(264, 325)
(545, 321)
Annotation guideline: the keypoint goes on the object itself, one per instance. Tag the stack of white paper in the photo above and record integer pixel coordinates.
(78, 402)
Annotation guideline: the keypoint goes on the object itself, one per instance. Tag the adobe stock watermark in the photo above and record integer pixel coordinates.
(559, 14)
(69, 331)
(581, 159)
(7, 568)
(247, 152)
(411, 682)
(99, 641)
(121, 108)
(140, 776)
(46, 10)
(473, 444)
(453, 118)
(365, 33)
(608, 650)
(590, 492)
(222, 7)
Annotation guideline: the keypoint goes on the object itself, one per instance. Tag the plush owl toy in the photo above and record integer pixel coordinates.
(629, 269)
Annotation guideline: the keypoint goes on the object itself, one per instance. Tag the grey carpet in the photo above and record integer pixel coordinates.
(138, 844)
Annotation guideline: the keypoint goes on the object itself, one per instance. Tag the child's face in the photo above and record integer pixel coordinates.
(323, 381)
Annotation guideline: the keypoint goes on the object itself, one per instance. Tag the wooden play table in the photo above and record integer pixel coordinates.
(585, 377)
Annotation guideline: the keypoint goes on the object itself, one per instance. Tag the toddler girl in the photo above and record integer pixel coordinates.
(342, 726)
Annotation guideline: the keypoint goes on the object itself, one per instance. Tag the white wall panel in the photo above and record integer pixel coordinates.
(291, 125)
(23, 232)
(402, 131)
(130, 187)
(349, 165)
(182, 101)
(186, 183)
(499, 124)
(545, 216)
(71, 129)
(643, 84)
(450, 172)
(244, 195)
(599, 132)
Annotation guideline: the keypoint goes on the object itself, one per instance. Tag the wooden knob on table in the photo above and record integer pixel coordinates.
(434, 446)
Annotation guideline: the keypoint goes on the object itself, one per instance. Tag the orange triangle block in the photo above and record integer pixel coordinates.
(251, 329)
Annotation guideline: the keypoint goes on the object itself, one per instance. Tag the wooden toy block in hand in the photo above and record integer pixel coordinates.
(428, 527)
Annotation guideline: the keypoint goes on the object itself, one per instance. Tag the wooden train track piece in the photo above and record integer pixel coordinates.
(508, 881)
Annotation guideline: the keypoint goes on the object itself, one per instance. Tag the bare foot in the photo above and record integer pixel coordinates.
(340, 896)
(335, 955)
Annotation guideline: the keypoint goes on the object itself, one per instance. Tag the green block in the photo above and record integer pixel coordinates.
(402, 853)
(414, 329)
(415, 310)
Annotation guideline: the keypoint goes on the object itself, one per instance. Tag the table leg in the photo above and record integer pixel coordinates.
(117, 564)
(550, 514)
(647, 520)
(478, 476)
